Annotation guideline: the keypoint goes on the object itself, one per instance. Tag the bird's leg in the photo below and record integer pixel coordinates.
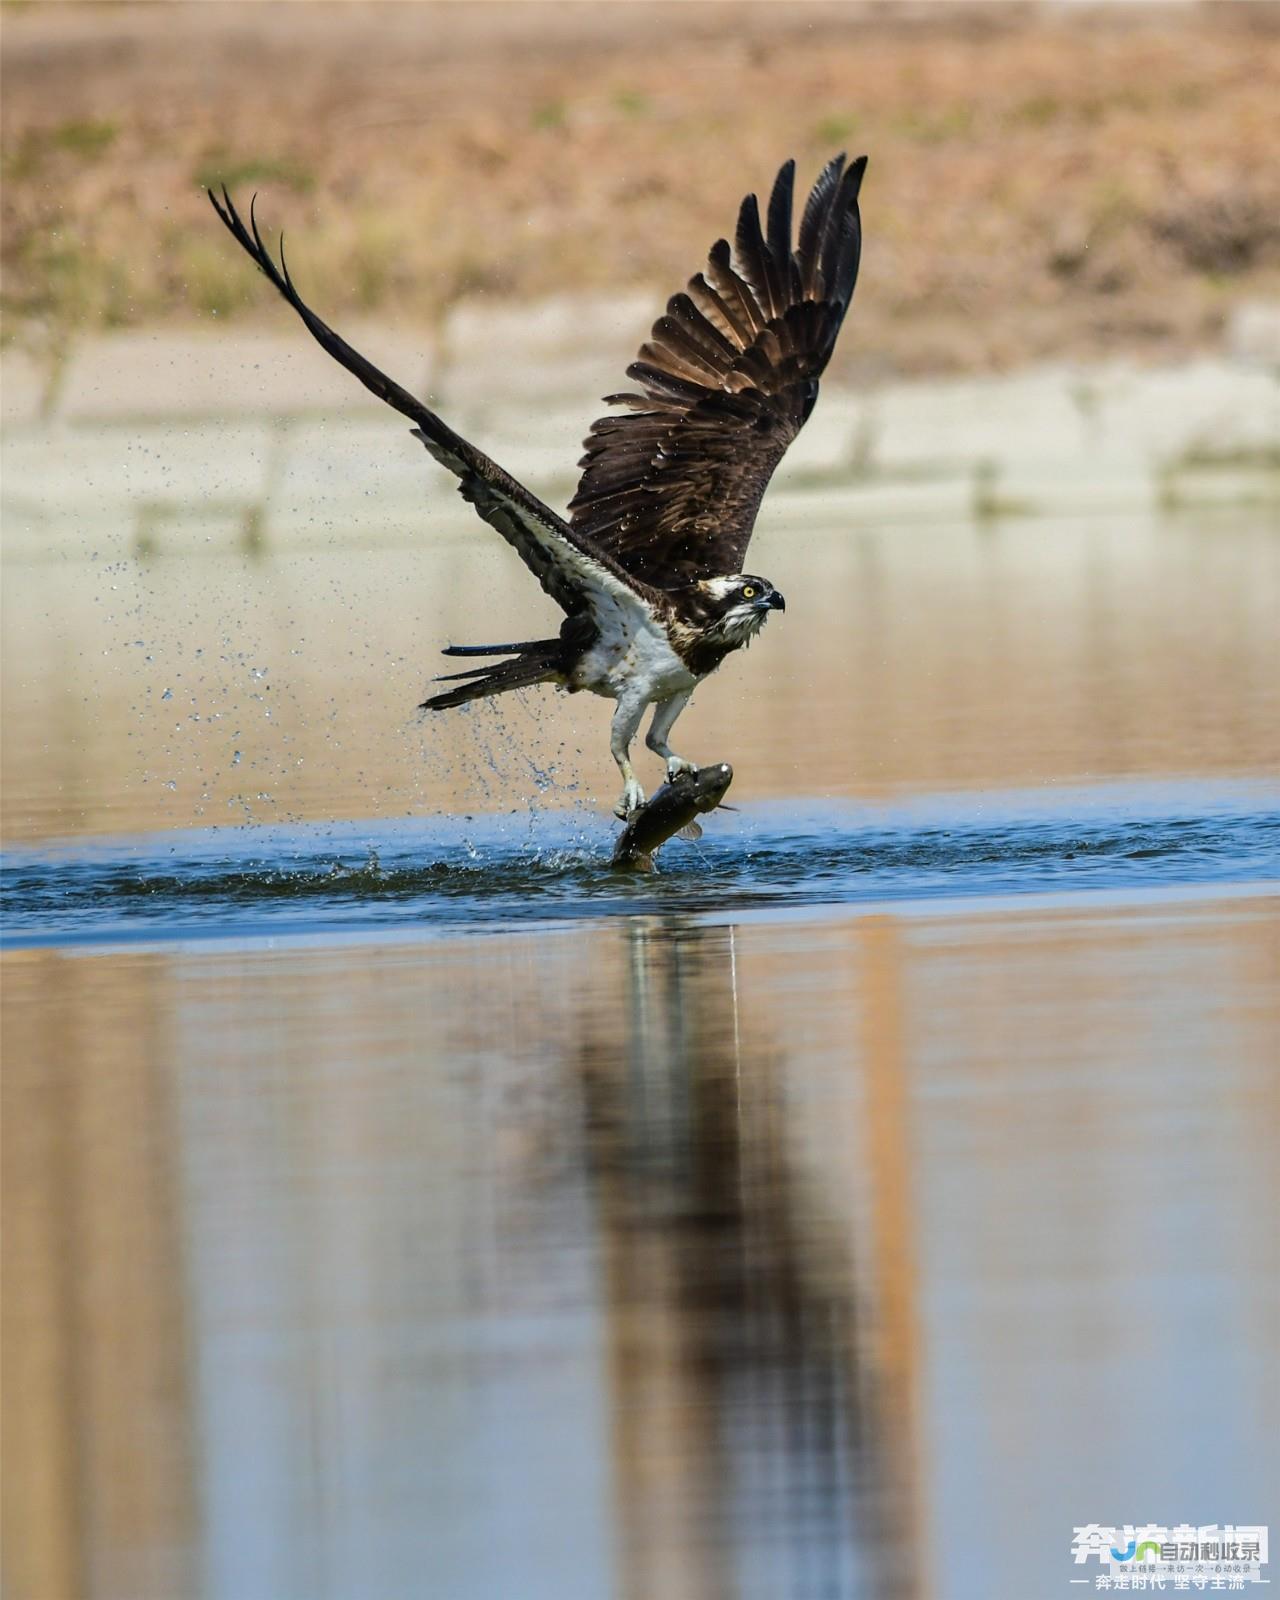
(664, 716)
(626, 720)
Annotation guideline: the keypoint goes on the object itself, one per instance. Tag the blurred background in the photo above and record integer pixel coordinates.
(393, 1202)
(1050, 181)
(1068, 310)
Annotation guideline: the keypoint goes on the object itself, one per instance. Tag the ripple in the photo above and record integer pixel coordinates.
(451, 873)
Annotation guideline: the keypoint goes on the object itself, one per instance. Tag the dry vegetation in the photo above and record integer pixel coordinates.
(1044, 181)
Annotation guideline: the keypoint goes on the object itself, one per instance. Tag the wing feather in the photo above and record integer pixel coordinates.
(718, 312)
(572, 570)
(703, 331)
(735, 289)
(749, 247)
(780, 226)
(813, 225)
(671, 486)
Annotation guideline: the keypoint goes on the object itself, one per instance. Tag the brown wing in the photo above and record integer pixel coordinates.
(730, 374)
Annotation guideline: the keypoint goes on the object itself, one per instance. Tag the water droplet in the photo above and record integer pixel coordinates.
(167, 695)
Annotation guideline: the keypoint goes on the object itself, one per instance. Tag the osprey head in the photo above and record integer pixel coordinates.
(737, 606)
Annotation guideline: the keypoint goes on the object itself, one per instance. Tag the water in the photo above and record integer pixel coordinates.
(449, 875)
(913, 660)
(399, 1202)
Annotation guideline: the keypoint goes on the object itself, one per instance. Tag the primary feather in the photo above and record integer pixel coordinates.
(728, 377)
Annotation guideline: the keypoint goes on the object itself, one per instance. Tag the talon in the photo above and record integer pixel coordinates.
(631, 801)
(676, 765)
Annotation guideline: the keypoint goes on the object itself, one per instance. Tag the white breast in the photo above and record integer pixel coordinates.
(633, 656)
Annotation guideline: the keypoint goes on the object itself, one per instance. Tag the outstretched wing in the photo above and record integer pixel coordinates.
(571, 570)
(671, 489)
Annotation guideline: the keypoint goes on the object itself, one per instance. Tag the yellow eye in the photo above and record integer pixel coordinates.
(748, 593)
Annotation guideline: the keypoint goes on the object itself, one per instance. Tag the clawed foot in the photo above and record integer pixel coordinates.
(677, 765)
(632, 800)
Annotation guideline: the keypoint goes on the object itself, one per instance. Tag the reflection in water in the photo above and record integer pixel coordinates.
(99, 1488)
(647, 1257)
(753, 1449)
(292, 1312)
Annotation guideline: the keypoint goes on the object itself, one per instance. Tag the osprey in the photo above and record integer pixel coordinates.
(647, 566)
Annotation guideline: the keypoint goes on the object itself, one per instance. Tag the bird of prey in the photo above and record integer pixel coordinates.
(647, 565)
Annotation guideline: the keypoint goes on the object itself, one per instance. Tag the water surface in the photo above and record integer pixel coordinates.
(489, 872)
(223, 689)
(398, 1202)
(651, 1254)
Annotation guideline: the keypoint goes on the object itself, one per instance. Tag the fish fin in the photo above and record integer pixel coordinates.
(691, 831)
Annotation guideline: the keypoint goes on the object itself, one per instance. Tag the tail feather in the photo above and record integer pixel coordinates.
(494, 649)
(471, 672)
(539, 661)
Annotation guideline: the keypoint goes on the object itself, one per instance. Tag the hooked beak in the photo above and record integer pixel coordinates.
(776, 602)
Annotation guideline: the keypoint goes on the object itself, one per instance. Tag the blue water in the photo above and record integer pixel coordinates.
(456, 874)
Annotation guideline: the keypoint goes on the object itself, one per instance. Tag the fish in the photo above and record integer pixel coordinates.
(673, 809)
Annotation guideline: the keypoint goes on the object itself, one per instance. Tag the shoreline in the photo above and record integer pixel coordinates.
(172, 443)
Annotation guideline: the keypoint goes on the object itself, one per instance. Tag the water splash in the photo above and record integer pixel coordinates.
(483, 872)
